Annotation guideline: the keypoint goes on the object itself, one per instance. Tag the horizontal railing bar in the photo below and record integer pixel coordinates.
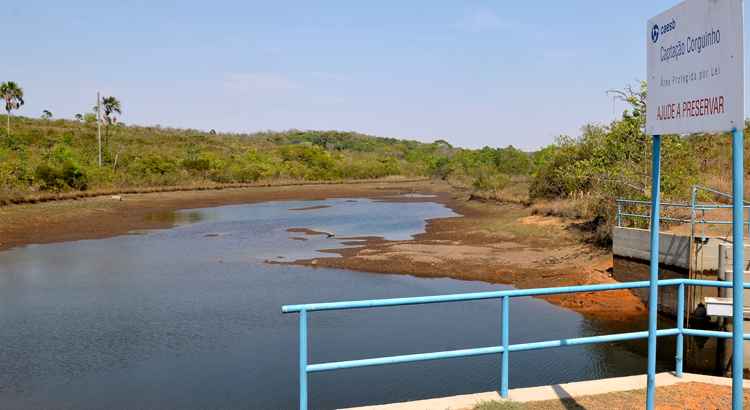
(484, 351)
(407, 358)
(663, 218)
(521, 347)
(710, 283)
(619, 337)
(459, 297)
(638, 202)
(667, 219)
(711, 333)
(423, 300)
(698, 207)
(709, 222)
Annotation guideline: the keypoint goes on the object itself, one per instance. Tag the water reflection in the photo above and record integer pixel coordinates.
(189, 317)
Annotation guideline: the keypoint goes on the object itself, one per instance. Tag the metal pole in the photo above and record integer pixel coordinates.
(653, 290)
(738, 268)
(303, 360)
(680, 327)
(505, 353)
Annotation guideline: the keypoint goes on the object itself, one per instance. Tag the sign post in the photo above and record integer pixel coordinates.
(695, 85)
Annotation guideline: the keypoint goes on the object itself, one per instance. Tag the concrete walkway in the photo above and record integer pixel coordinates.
(557, 391)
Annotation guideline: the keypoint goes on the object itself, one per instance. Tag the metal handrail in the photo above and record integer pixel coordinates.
(505, 348)
(694, 207)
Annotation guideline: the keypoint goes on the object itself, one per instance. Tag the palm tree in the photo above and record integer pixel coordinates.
(13, 96)
(46, 114)
(111, 106)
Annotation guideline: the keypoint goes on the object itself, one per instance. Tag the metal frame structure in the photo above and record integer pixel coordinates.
(504, 348)
(738, 207)
(695, 207)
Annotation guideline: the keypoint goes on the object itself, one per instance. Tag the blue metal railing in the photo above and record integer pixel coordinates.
(505, 348)
(697, 210)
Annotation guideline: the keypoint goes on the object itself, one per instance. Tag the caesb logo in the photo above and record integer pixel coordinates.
(659, 31)
(655, 33)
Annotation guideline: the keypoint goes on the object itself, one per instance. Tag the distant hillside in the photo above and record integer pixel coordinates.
(62, 155)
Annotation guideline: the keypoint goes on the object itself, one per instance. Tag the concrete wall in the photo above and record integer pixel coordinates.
(674, 250)
(713, 260)
(725, 269)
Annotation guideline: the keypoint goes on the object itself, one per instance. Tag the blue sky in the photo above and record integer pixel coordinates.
(474, 73)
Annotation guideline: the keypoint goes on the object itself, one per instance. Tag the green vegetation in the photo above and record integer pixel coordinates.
(61, 155)
(574, 177)
(57, 155)
(583, 176)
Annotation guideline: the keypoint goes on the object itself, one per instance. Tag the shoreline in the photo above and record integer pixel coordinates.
(103, 216)
(453, 248)
(490, 242)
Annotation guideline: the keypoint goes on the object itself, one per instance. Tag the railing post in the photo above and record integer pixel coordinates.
(505, 353)
(738, 266)
(680, 328)
(303, 360)
(619, 214)
(653, 290)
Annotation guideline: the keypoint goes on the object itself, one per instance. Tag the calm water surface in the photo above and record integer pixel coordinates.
(189, 317)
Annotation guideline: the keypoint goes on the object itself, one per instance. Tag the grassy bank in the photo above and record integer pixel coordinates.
(59, 158)
(46, 159)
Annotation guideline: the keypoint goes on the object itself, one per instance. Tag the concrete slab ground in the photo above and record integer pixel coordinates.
(554, 392)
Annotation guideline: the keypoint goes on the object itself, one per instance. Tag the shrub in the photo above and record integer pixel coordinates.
(74, 176)
(196, 165)
(70, 175)
(490, 180)
(155, 165)
(49, 179)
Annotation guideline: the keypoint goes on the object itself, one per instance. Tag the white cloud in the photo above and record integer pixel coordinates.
(259, 81)
(480, 20)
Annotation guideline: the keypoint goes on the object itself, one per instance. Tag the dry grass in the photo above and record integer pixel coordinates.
(680, 396)
(517, 192)
(564, 208)
(13, 198)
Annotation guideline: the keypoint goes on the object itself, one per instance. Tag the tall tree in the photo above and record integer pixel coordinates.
(13, 96)
(46, 114)
(111, 106)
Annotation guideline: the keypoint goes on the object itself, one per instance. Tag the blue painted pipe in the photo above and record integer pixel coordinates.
(303, 360)
(653, 289)
(506, 342)
(484, 351)
(738, 261)
(505, 349)
(712, 333)
(680, 329)
(407, 358)
(423, 300)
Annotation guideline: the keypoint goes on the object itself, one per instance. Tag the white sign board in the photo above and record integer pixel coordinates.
(695, 68)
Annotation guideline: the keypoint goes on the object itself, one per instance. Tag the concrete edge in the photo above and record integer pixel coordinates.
(554, 392)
